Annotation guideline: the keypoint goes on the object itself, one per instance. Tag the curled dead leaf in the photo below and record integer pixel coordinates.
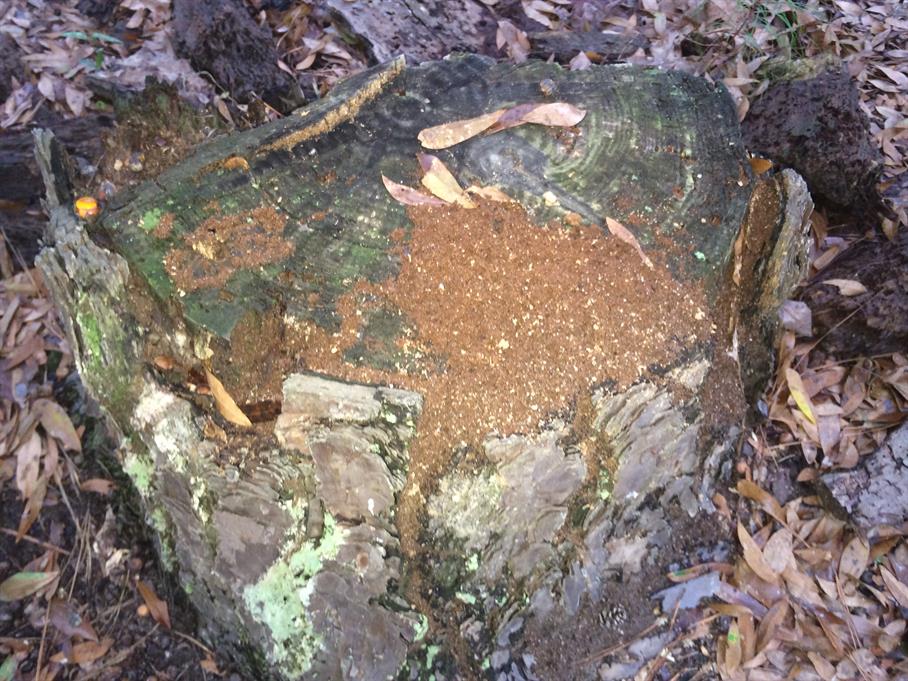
(624, 234)
(491, 193)
(156, 607)
(439, 180)
(409, 196)
(847, 287)
(57, 424)
(753, 556)
(448, 134)
(854, 558)
(225, 403)
(23, 584)
(98, 486)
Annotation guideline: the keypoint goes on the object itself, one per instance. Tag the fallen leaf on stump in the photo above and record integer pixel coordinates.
(225, 403)
(558, 114)
(409, 196)
(620, 231)
(439, 180)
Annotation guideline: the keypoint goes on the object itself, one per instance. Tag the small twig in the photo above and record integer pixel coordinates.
(620, 646)
(43, 639)
(201, 646)
(32, 540)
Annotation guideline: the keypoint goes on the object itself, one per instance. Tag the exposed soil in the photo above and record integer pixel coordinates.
(99, 558)
(872, 323)
(505, 324)
(221, 245)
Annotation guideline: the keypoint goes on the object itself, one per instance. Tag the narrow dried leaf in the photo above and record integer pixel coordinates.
(799, 394)
(28, 465)
(733, 652)
(847, 287)
(23, 584)
(748, 636)
(156, 607)
(774, 618)
(225, 403)
(491, 193)
(896, 587)
(409, 196)
(32, 507)
(778, 551)
(854, 558)
(448, 134)
(439, 180)
(98, 486)
(624, 234)
(69, 622)
(767, 501)
(824, 668)
(560, 114)
(753, 555)
(57, 424)
(83, 654)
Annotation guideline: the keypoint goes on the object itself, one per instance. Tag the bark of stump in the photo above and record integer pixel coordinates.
(285, 535)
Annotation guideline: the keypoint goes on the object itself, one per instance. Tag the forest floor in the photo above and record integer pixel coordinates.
(82, 593)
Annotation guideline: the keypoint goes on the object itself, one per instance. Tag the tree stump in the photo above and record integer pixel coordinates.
(478, 436)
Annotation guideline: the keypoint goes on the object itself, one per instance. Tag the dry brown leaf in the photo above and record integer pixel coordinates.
(448, 134)
(515, 40)
(733, 651)
(753, 555)
(32, 507)
(67, 619)
(799, 394)
(439, 180)
(57, 424)
(854, 558)
(83, 654)
(490, 193)
(796, 316)
(771, 621)
(156, 607)
(824, 668)
(28, 465)
(896, 587)
(98, 486)
(24, 584)
(624, 234)
(560, 114)
(409, 196)
(778, 552)
(225, 403)
(211, 666)
(847, 287)
(767, 501)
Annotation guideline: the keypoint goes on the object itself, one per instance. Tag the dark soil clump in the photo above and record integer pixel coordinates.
(817, 127)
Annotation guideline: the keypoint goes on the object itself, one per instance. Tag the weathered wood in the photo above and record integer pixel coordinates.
(420, 31)
(872, 495)
(219, 37)
(306, 538)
